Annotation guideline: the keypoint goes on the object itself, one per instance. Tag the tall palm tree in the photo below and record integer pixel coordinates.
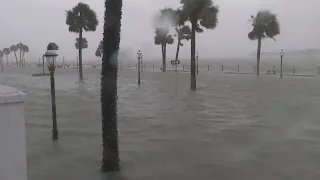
(14, 49)
(109, 75)
(183, 33)
(25, 49)
(200, 13)
(6, 52)
(164, 23)
(162, 38)
(265, 25)
(81, 18)
(20, 47)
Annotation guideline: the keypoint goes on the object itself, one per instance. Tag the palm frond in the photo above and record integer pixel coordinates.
(203, 11)
(13, 48)
(169, 39)
(265, 24)
(81, 17)
(6, 51)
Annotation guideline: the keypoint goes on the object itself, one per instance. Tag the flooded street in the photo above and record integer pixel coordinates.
(239, 127)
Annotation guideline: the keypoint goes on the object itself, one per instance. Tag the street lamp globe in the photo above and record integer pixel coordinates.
(281, 53)
(139, 54)
(50, 59)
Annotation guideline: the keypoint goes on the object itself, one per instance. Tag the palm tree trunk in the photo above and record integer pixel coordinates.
(15, 54)
(7, 59)
(193, 51)
(80, 55)
(178, 49)
(163, 58)
(177, 53)
(258, 55)
(23, 60)
(1, 58)
(20, 58)
(109, 75)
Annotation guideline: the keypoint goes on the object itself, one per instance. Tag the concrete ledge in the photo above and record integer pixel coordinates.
(13, 160)
(11, 95)
(41, 74)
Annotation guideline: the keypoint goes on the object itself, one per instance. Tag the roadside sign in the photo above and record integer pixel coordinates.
(175, 62)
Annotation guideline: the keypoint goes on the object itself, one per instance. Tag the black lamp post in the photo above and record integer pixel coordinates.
(50, 57)
(197, 62)
(281, 56)
(139, 60)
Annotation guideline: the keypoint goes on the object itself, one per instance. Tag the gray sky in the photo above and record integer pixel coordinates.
(38, 22)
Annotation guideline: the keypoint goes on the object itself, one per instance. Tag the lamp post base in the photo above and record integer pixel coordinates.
(55, 134)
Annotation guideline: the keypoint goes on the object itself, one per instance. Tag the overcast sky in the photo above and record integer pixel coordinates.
(38, 22)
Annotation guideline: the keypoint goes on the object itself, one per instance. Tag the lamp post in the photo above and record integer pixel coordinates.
(42, 64)
(141, 64)
(139, 60)
(50, 57)
(281, 56)
(197, 62)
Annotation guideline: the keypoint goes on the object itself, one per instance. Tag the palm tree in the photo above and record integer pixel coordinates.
(183, 33)
(6, 52)
(200, 13)
(1, 57)
(265, 25)
(20, 46)
(164, 23)
(99, 50)
(162, 38)
(109, 75)
(25, 49)
(14, 49)
(79, 18)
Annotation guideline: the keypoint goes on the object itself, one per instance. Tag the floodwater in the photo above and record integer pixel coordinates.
(239, 127)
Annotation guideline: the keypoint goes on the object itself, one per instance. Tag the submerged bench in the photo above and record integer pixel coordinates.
(271, 72)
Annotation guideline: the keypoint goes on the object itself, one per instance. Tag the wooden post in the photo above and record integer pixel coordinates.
(294, 70)
(238, 67)
(182, 66)
(222, 67)
(139, 61)
(281, 66)
(152, 66)
(137, 66)
(208, 68)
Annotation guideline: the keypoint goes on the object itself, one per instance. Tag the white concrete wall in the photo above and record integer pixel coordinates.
(13, 164)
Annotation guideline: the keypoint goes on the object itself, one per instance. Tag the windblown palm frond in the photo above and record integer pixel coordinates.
(265, 24)
(81, 17)
(6, 51)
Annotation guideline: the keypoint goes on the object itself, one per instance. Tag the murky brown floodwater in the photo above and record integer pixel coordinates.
(239, 127)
